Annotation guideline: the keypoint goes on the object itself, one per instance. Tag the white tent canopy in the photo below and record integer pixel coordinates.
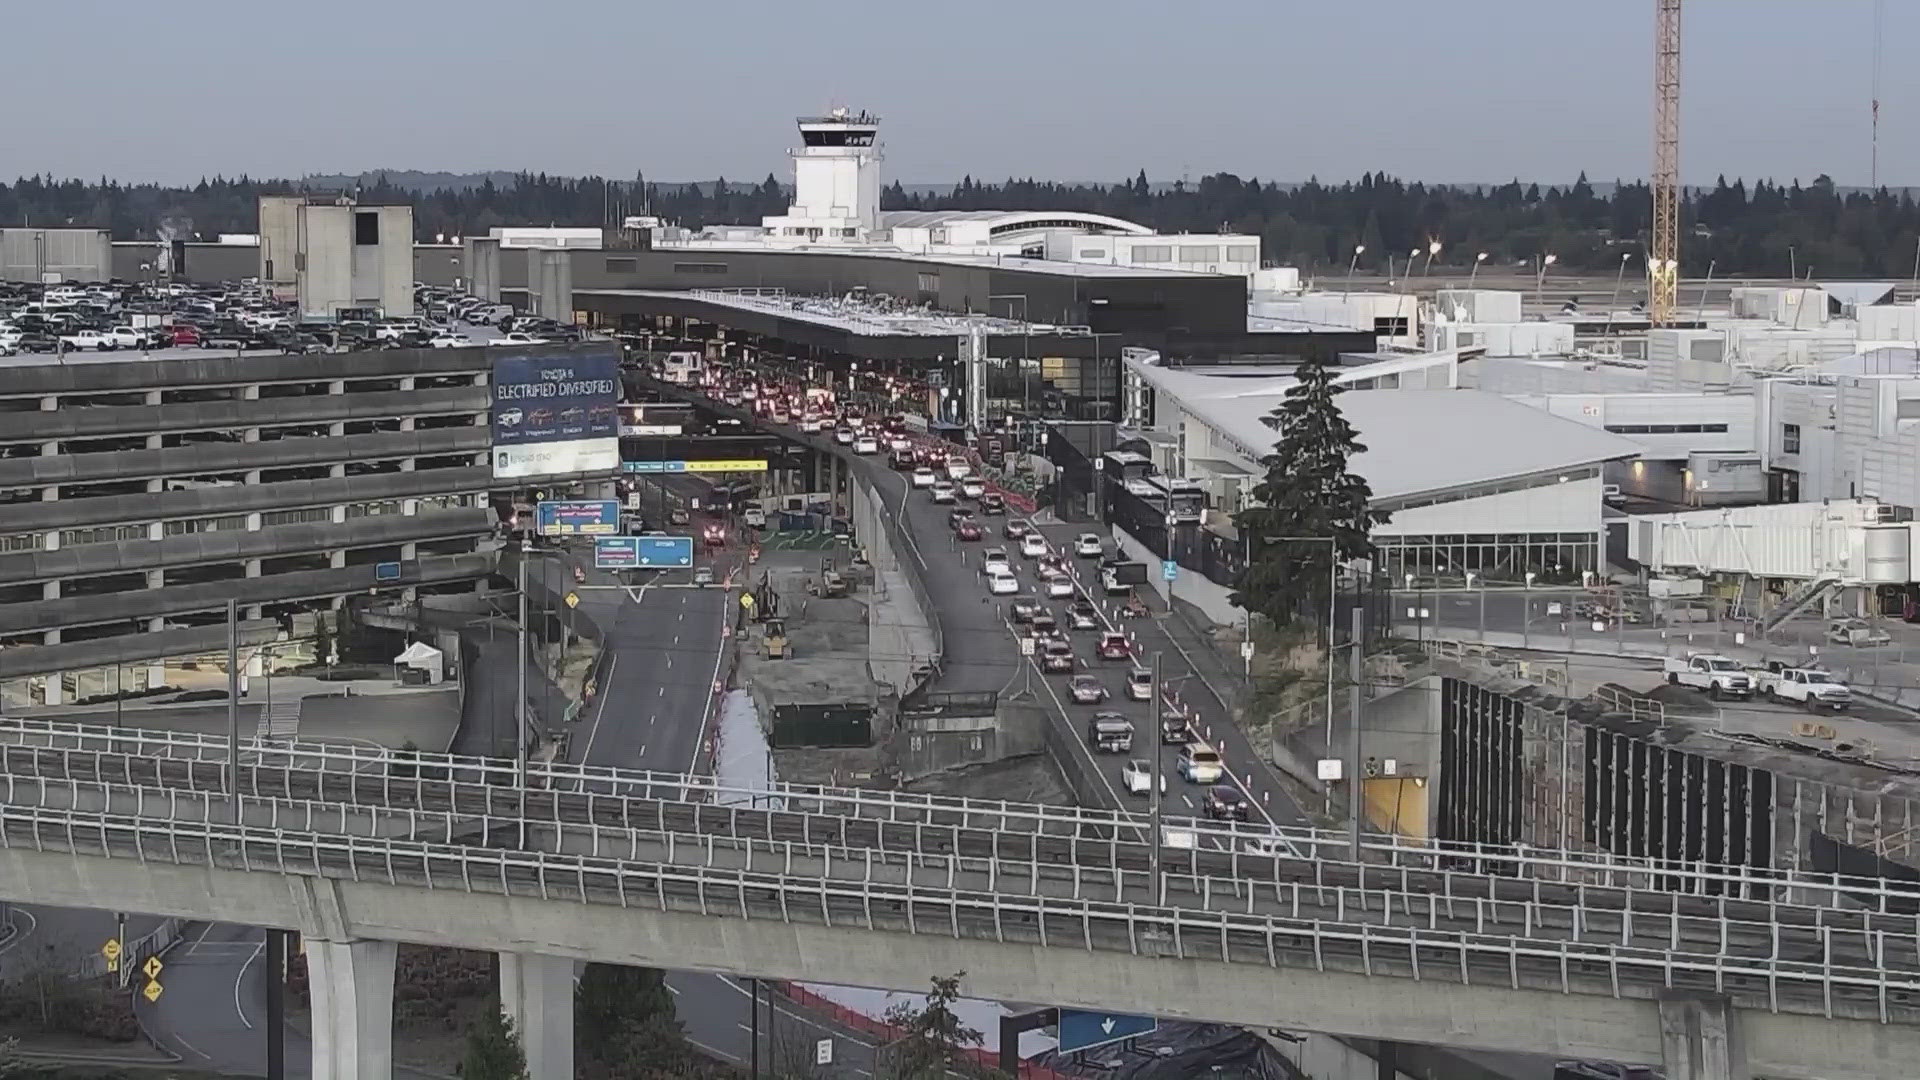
(423, 657)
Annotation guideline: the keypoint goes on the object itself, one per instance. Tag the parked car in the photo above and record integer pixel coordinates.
(1812, 688)
(1719, 676)
(1088, 546)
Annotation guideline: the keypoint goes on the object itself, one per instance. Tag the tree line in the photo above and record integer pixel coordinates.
(1763, 229)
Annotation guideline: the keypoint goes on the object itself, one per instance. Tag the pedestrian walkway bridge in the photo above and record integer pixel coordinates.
(1555, 953)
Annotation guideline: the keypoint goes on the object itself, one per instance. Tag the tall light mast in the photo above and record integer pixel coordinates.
(1663, 262)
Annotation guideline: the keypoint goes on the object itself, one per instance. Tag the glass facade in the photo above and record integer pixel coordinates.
(1554, 558)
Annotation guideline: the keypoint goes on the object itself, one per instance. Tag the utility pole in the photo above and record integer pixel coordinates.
(520, 667)
(276, 951)
(1155, 777)
(233, 706)
(754, 985)
(1356, 810)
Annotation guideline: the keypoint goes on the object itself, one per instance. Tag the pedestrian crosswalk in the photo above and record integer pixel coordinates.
(280, 718)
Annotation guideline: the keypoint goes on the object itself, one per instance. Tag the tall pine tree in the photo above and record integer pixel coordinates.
(1308, 491)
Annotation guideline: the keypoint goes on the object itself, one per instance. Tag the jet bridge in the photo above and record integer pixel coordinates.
(1843, 542)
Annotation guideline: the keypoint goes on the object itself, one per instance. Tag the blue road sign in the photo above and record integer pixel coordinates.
(665, 552)
(578, 517)
(1085, 1030)
(386, 571)
(1169, 569)
(616, 552)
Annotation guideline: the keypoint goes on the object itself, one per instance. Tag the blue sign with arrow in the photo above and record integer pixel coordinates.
(665, 552)
(1085, 1030)
(1169, 569)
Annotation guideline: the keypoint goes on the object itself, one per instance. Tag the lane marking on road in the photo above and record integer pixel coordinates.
(238, 1005)
(600, 711)
(21, 935)
(651, 717)
(706, 715)
(643, 749)
(204, 931)
(663, 691)
(190, 1046)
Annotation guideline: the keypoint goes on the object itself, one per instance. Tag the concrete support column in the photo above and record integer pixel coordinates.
(50, 448)
(409, 551)
(156, 442)
(50, 590)
(52, 690)
(251, 568)
(50, 494)
(339, 514)
(352, 989)
(336, 559)
(252, 434)
(253, 522)
(153, 397)
(156, 530)
(155, 485)
(156, 579)
(408, 464)
(338, 469)
(537, 993)
(251, 477)
(1698, 1040)
(51, 541)
(337, 429)
(406, 423)
(49, 403)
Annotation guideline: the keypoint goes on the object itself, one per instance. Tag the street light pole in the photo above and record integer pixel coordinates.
(1474, 274)
(233, 706)
(1357, 809)
(1618, 275)
(520, 666)
(1155, 777)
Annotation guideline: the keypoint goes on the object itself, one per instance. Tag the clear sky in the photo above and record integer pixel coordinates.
(1456, 90)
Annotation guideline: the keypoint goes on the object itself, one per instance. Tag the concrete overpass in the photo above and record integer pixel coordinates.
(1239, 939)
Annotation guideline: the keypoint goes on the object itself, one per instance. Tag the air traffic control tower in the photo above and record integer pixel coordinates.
(836, 181)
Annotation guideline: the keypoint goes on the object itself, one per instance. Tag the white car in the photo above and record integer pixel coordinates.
(923, 477)
(1060, 587)
(703, 576)
(972, 487)
(520, 337)
(1088, 546)
(996, 556)
(1137, 777)
(843, 436)
(866, 444)
(755, 517)
(125, 337)
(957, 468)
(451, 341)
(898, 444)
(942, 491)
(1002, 582)
(1033, 545)
(810, 424)
(511, 418)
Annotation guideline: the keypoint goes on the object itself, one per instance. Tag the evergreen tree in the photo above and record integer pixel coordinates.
(1308, 491)
(493, 1049)
(935, 1037)
(609, 996)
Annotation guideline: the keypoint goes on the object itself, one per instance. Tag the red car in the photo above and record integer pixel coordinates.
(185, 334)
(968, 530)
(1114, 647)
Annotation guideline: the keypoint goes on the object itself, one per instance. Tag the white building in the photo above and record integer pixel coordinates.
(552, 237)
(836, 181)
(1474, 481)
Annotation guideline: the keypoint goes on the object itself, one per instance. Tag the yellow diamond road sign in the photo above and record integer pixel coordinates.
(152, 991)
(153, 967)
(111, 950)
(573, 599)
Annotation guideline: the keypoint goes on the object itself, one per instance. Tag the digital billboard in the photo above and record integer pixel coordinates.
(556, 416)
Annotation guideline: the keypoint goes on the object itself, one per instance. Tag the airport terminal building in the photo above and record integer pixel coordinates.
(138, 496)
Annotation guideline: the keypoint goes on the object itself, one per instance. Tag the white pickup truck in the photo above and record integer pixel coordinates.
(1719, 676)
(1812, 688)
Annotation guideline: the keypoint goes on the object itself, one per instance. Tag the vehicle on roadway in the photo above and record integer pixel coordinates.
(1811, 687)
(1002, 583)
(993, 503)
(1023, 608)
(754, 518)
(1083, 616)
(1719, 676)
(703, 576)
(1110, 733)
(957, 468)
(1114, 646)
(968, 529)
(1088, 546)
(843, 436)
(678, 516)
(995, 556)
(1033, 545)
(1016, 529)
(1200, 763)
(1225, 803)
(942, 491)
(1088, 690)
(1044, 624)
(1175, 729)
(1137, 777)
(1856, 632)
(866, 444)
(972, 487)
(1060, 587)
(1056, 658)
(1140, 685)
(922, 477)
